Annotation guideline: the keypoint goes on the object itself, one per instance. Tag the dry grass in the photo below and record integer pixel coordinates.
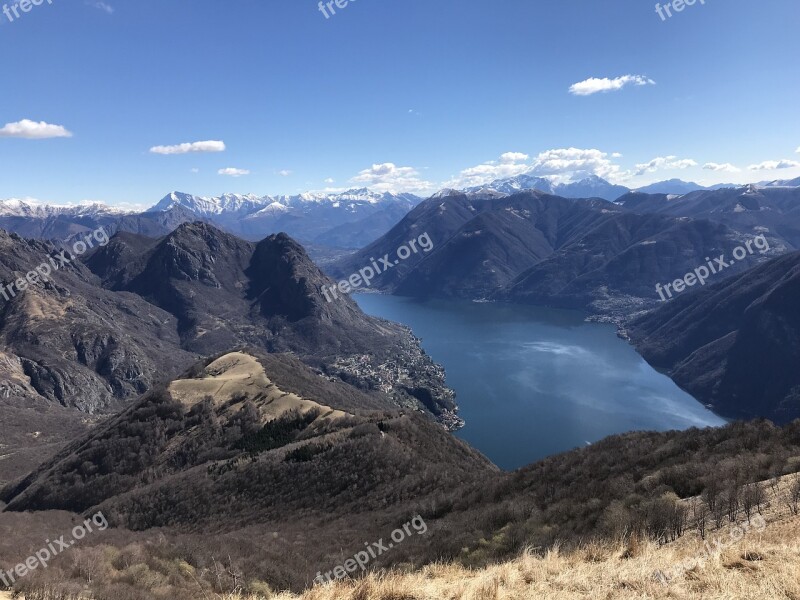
(762, 566)
(240, 376)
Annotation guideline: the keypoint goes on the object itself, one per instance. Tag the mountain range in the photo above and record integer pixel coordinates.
(349, 219)
(320, 220)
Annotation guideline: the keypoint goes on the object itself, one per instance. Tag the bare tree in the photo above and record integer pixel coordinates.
(774, 483)
(711, 493)
(793, 497)
(732, 501)
(760, 496)
(749, 499)
(700, 516)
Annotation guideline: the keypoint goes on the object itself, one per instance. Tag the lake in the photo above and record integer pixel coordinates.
(532, 382)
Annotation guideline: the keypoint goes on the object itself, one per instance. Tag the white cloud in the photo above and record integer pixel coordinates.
(388, 177)
(513, 157)
(593, 85)
(329, 181)
(195, 170)
(665, 162)
(284, 172)
(106, 8)
(186, 148)
(233, 172)
(727, 167)
(571, 163)
(31, 130)
(559, 164)
(774, 165)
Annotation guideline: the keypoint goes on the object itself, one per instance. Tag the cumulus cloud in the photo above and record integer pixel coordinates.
(576, 162)
(233, 172)
(388, 177)
(329, 180)
(513, 157)
(594, 85)
(727, 167)
(665, 162)
(774, 165)
(31, 130)
(284, 172)
(187, 147)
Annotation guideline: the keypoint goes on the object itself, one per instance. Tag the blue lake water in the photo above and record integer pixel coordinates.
(531, 382)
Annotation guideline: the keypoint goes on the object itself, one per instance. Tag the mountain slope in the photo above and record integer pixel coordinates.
(75, 343)
(228, 425)
(537, 248)
(752, 210)
(733, 345)
(613, 268)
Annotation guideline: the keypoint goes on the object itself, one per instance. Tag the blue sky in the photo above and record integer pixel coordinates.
(405, 95)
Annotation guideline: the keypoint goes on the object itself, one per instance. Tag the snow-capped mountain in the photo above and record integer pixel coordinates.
(588, 187)
(205, 206)
(15, 207)
(308, 216)
(251, 204)
(348, 219)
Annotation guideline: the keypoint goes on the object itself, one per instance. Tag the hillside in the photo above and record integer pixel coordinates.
(734, 345)
(536, 248)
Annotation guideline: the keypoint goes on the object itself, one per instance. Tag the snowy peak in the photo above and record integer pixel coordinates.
(28, 207)
(588, 187)
(250, 205)
(210, 206)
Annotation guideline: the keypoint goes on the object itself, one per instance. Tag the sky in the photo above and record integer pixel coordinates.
(123, 101)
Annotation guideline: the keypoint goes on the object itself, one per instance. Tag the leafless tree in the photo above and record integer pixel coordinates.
(700, 516)
(793, 497)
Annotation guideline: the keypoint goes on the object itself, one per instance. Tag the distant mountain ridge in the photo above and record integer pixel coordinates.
(349, 219)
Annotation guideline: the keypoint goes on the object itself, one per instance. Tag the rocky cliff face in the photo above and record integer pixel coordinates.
(76, 343)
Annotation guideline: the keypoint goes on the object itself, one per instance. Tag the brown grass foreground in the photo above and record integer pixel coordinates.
(762, 566)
